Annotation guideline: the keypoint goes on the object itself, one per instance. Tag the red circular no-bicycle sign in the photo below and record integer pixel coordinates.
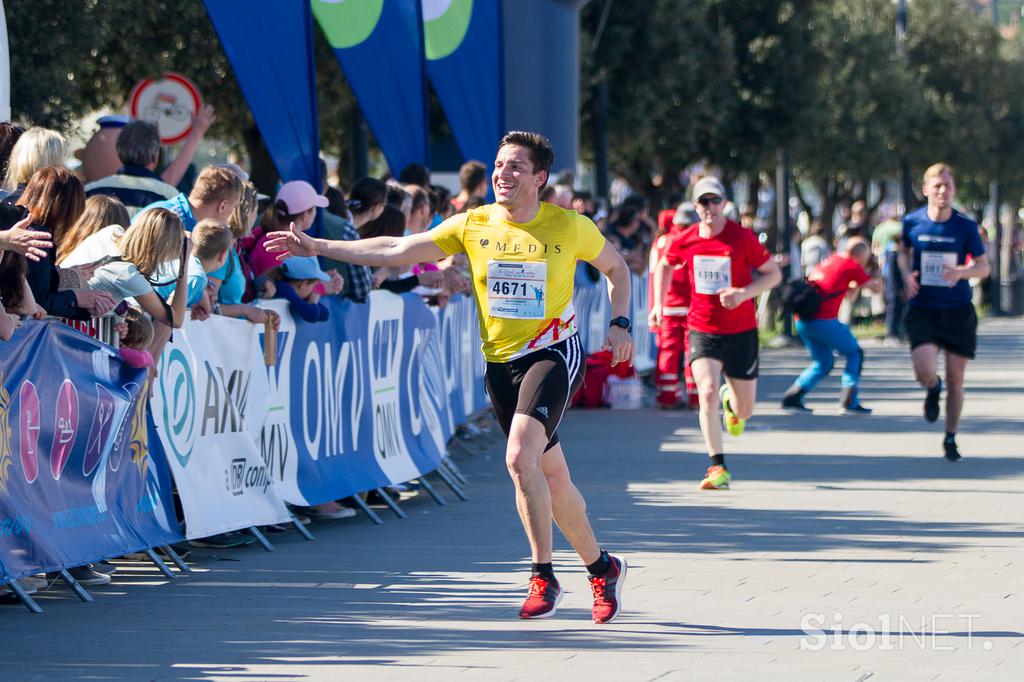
(169, 103)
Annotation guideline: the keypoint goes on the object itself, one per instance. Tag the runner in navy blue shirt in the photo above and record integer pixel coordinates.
(937, 241)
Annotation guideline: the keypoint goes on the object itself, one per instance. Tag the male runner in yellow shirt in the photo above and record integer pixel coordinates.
(522, 255)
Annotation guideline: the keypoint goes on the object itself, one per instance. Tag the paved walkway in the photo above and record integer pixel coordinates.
(843, 546)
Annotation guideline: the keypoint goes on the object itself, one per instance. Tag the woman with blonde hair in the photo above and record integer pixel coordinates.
(95, 233)
(37, 148)
(154, 239)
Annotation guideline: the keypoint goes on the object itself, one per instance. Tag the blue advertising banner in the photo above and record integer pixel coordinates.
(358, 401)
(464, 61)
(462, 359)
(78, 481)
(379, 44)
(270, 46)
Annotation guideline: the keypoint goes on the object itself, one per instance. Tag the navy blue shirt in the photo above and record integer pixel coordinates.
(935, 246)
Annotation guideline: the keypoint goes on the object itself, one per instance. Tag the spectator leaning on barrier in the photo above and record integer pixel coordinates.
(231, 290)
(211, 242)
(136, 184)
(37, 148)
(296, 280)
(55, 199)
(95, 233)
(149, 242)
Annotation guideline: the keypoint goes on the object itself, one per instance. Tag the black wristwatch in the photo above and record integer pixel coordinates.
(621, 322)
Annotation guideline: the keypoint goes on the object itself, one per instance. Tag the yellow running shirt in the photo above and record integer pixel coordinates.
(522, 273)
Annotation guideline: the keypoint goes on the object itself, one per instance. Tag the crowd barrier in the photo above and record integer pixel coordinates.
(367, 399)
(593, 311)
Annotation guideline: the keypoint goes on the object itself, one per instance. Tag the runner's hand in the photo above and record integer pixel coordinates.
(294, 242)
(951, 275)
(911, 285)
(731, 297)
(621, 345)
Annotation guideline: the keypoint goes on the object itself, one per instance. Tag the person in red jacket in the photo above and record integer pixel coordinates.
(720, 257)
(836, 276)
(670, 321)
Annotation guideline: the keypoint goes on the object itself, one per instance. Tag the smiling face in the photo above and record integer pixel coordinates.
(710, 209)
(515, 182)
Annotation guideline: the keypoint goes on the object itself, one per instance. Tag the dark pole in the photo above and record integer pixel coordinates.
(996, 274)
(359, 161)
(601, 139)
(906, 189)
(785, 239)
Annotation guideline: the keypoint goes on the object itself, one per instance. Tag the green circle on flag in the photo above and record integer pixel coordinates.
(347, 23)
(445, 23)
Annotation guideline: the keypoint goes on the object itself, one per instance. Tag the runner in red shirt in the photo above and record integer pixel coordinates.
(720, 257)
(836, 276)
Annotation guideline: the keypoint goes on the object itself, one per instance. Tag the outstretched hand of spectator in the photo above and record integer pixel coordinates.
(294, 242)
(432, 279)
(98, 303)
(202, 120)
(8, 323)
(29, 243)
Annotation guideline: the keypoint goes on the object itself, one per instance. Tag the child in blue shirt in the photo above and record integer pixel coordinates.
(296, 281)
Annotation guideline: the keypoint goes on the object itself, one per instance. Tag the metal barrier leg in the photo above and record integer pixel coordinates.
(303, 531)
(450, 482)
(454, 470)
(21, 594)
(391, 504)
(178, 561)
(361, 503)
(160, 564)
(76, 586)
(430, 491)
(261, 538)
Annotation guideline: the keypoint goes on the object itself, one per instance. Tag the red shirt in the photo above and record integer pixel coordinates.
(678, 295)
(834, 275)
(713, 264)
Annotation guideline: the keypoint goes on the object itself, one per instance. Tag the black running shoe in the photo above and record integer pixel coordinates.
(931, 402)
(951, 452)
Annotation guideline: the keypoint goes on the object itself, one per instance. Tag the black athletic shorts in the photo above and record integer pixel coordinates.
(539, 384)
(736, 352)
(954, 329)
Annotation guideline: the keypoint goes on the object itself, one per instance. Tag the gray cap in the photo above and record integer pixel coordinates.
(708, 185)
(686, 214)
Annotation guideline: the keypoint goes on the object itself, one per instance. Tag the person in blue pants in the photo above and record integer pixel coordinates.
(824, 335)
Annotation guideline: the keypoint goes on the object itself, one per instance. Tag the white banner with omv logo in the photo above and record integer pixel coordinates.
(209, 403)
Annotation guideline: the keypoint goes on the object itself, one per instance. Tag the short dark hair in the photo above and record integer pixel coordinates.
(415, 174)
(542, 156)
(471, 175)
(365, 194)
(420, 198)
(138, 144)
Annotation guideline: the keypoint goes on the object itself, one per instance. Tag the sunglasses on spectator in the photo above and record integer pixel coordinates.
(710, 200)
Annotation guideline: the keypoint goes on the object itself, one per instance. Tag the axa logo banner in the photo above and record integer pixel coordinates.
(71, 415)
(210, 404)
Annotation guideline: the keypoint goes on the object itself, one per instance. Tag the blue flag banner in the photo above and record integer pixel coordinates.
(270, 46)
(463, 46)
(78, 481)
(379, 44)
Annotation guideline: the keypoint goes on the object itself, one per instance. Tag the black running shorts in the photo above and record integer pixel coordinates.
(736, 352)
(955, 330)
(539, 384)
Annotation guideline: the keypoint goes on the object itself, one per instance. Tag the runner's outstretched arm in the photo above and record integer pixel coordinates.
(611, 264)
(377, 252)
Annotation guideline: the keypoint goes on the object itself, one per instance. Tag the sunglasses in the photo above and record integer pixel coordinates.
(710, 201)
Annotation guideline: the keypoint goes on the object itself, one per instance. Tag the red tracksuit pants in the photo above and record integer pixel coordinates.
(673, 353)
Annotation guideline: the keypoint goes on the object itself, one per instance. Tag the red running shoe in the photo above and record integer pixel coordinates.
(607, 589)
(544, 597)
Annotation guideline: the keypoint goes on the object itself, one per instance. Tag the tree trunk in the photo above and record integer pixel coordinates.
(262, 172)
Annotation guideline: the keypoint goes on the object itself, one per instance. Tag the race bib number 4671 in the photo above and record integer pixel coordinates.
(517, 290)
(712, 274)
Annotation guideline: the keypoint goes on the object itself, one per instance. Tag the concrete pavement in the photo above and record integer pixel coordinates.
(847, 549)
